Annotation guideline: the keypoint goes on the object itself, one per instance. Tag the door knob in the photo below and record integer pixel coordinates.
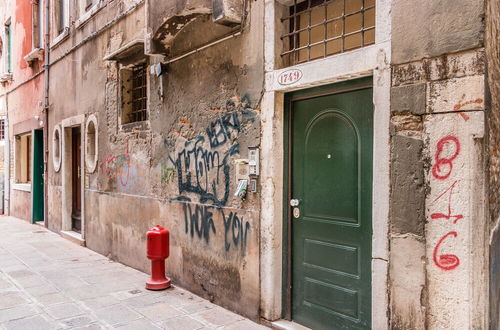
(294, 202)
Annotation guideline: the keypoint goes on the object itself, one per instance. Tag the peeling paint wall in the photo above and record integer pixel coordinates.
(178, 168)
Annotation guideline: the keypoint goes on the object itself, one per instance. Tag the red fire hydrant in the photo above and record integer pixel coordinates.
(158, 250)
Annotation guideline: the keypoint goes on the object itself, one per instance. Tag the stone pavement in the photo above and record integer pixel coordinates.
(47, 282)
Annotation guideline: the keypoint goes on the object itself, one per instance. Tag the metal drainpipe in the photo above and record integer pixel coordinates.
(46, 112)
(6, 159)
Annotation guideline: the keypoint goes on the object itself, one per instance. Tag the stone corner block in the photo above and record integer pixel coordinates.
(408, 282)
(407, 211)
(409, 98)
(457, 94)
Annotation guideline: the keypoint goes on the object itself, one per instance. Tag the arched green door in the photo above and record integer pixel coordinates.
(331, 181)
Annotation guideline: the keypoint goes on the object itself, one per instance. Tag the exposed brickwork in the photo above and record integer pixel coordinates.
(493, 122)
(493, 59)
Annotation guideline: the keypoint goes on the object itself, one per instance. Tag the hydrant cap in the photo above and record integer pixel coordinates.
(157, 228)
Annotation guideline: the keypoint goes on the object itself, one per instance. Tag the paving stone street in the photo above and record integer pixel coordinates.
(47, 282)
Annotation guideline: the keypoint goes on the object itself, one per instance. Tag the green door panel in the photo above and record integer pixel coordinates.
(37, 184)
(331, 176)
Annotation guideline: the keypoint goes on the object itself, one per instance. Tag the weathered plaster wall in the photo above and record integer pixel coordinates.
(24, 93)
(434, 28)
(86, 94)
(177, 170)
(20, 205)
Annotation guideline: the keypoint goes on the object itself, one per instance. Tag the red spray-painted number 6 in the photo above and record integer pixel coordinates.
(446, 261)
(446, 162)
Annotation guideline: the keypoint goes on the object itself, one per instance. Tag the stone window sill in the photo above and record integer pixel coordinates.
(22, 186)
(35, 55)
(57, 40)
(7, 76)
(88, 14)
(137, 125)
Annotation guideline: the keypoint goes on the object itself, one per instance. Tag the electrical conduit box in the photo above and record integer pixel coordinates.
(253, 161)
(227, 12)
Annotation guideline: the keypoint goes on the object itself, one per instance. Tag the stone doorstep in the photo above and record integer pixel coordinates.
(73, 237)
(284, 325)
(40, 223)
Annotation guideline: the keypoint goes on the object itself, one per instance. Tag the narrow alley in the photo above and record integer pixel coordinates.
(293, 164)
(47, 282)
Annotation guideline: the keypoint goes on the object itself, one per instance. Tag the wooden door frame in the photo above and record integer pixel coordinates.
(289, 98)
(76, 161)
(66, 171)
(32, 174)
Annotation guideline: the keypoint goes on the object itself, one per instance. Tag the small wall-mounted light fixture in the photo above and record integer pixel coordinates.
(158, 69)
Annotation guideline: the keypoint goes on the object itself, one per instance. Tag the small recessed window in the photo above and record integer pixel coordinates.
(37, 31)
(8, 46)
(134, 96)
(91, 144)
(56, 148)
(61, 14)
(23, 159)
(86, 5)
(320, 28)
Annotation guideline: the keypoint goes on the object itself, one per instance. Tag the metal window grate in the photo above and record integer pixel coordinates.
(139, 94)
(2, 129)
(320, 28)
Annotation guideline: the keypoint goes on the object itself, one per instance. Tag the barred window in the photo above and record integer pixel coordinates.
(320, 28)
(134, 93)
(2, 129)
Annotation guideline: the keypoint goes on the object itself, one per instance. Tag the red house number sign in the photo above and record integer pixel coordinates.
(289, 77)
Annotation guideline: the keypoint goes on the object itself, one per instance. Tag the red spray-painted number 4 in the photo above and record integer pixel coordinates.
(449, 215)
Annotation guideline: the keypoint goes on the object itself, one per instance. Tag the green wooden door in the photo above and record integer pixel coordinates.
(37, 185)
(331, 178)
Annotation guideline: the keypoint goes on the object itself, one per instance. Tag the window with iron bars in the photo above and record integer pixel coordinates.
(134, 93)
(2, 129)
(320, 28)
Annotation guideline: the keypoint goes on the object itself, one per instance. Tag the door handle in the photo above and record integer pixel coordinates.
(294, 202)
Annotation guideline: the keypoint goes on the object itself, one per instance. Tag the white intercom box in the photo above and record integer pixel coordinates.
(253, 161)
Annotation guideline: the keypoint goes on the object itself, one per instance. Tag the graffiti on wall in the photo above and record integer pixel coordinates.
(461, 105)
(117, 166)
(167, 173)
(201, 169)
(199, 222)
(447, 150)
(235, 230)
